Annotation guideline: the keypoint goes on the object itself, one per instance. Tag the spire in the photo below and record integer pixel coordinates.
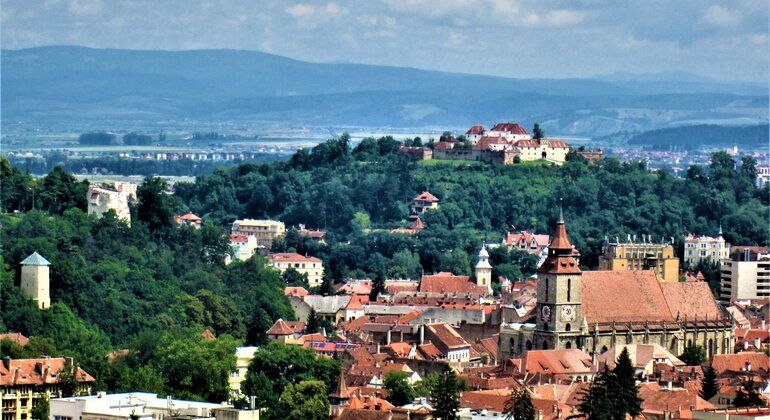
(561, 211)
(720, 229)
(341, 392)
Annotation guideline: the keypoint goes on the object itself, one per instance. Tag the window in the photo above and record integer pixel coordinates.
(567, 327)
(546, 289)
(569, 290)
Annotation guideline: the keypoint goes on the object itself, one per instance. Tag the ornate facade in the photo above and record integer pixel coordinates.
(596, 310)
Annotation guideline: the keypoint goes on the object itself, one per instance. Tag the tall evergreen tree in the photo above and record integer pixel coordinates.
(748, 395)
(378, 285)
(445, 395)
(519, 405)
(537, 132)
(600, 400)
(709, 383)
(312, 322)
(625, 375)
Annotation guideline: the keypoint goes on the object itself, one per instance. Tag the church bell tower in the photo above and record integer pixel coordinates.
(559, 284)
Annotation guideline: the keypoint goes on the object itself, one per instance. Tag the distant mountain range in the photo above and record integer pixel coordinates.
(65, 84)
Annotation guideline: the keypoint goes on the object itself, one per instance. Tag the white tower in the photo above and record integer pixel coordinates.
(484, 270)
(35, 280)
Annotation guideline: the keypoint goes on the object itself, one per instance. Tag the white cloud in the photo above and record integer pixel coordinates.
(719, 16)
(310, 16)
(564, 17)
(86, 7)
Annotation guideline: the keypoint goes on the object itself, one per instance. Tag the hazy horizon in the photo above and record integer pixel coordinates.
(507, 38)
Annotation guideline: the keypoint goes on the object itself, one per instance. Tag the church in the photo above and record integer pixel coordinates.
(596, 310)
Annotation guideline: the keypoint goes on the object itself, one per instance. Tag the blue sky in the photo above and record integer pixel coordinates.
(518, 38)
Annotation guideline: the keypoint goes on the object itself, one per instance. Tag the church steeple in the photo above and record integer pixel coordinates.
(484, 270)
(560, 258)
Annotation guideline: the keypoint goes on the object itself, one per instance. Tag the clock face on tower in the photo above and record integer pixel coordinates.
(567, 313)
(545, 313)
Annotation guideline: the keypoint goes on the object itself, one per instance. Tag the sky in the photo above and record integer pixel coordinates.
(726, 40)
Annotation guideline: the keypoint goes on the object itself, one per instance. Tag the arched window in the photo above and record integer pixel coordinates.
(529, 345)
(711, 347)
(545, 344)
(673, 344)
(568, 345)
(569, 290)
(567, 327)
(545, 155)
(604, 349)
(546, 289)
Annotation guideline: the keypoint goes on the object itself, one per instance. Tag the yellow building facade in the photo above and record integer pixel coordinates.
(641, 256)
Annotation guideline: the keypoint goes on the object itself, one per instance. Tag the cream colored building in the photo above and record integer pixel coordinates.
(311, 266)
(265, 231)
(705, 248)
(35, 280)
(104, 198)
(484, 270)
(746, 274)
(243, 356)
(632, 255)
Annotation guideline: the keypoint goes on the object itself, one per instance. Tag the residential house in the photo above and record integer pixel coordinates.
(424, 201)
(265, 231)
(311, 266)
(189, 219)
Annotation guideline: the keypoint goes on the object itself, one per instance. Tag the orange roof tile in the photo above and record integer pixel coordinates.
(426, 196)
(623, 296)
(738, 362)
(17, 338)
(280, 328)
(691, 300)
(36, 372)
(558, 362)
(449, 283)
(291, 257)
(447, 335)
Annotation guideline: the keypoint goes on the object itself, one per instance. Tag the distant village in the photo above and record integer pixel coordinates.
(551, 334)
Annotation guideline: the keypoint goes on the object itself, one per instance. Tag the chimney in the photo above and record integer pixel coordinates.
(387, 337)
(756, 343)
(252, 402)
(422, 334)
(748, 366)
(763, 324)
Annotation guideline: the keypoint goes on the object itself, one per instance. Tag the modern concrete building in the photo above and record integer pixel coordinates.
(264, 230)
(746, 274)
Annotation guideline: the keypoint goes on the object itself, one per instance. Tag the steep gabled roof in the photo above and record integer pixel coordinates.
(623, 296)
(426, 196)
(476, 129)
(513, 128)
(280, 328)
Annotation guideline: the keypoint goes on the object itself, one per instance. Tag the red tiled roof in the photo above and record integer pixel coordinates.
(476, 129)
(36, 372)
(400, 349)
(291, 257)
(514, 238)
(556, 362)
(426, 196)
(208, 335)
(486, 142)
(408, 318)
(659, 400)
(529, 144)
(691, 300)
(430, 351)
(417, 225)
(513, 128)
(280, 328)
(190, 217)
(295, 291)
(443, 145)
(556, 144)
(738, 362)
(17, 338)
(492, 400)
(239, 238)
(355, 302)
(447, 335)
(296, 326)
(623, 296)
(449, 283)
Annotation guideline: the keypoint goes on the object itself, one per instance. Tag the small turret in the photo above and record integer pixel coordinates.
(484, 270)
(35, 280)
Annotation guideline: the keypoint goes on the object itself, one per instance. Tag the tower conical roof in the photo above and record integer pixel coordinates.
(35, 259)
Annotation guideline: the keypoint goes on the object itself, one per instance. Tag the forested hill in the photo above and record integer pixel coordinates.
(76, 85)
(153, 287)
(694, 136)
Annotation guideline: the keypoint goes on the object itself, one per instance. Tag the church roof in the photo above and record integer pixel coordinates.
(691, 300)
(624, 296)
(35, 259)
